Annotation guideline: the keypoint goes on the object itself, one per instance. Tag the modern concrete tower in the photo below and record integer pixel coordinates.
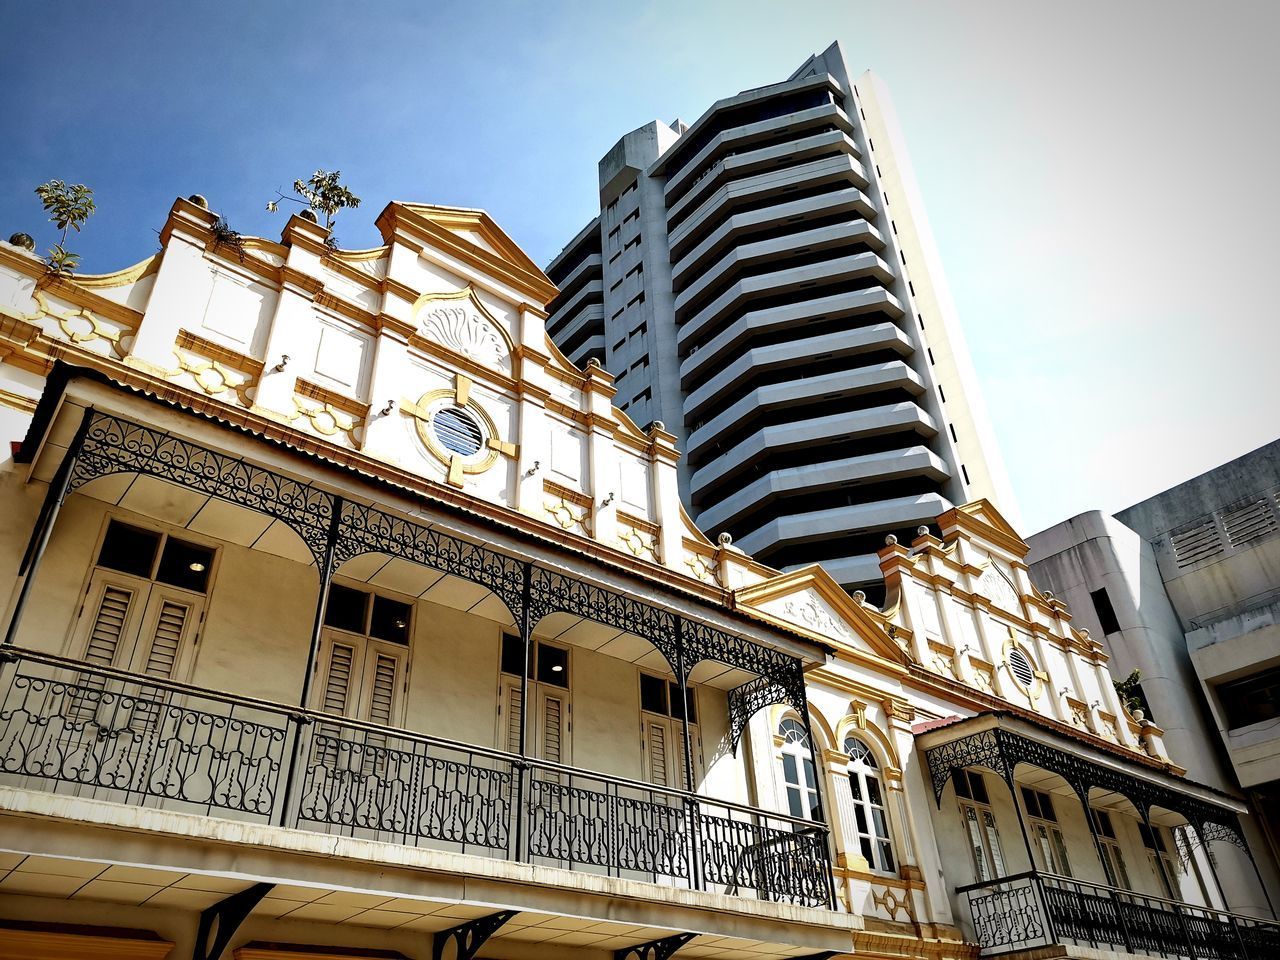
(764, 283)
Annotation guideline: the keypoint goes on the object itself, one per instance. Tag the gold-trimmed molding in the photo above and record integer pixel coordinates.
(213, 350)
(16, 401)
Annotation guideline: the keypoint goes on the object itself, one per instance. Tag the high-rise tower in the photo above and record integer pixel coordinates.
(764, 282)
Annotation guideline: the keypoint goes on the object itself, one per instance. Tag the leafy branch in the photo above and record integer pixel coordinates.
(69, 207)
(1130, 691)
(324, 193)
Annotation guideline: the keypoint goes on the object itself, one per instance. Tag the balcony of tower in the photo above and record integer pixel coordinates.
(789, 151)
(752, 137)
(769, 189)
(813, 317)
(857, 271)
(808, 441)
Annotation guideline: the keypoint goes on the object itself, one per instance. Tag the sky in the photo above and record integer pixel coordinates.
(1100, 176)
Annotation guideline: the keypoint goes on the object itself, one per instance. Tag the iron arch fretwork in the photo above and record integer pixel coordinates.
(113, 445)
(779, 676)
(1002, 751)
(363, 529)
(551, 592)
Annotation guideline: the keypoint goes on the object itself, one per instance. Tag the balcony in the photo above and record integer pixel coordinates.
(1033, 910)
(105, 734)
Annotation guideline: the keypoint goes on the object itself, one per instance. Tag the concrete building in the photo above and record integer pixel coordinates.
(1185, 588)
(764, 283)
(344, 619)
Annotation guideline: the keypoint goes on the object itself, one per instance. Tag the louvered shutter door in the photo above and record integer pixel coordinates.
(339, 678)
(655, 749)
(166, 640)
(553, 709)
(511, 716)
(106, 637)
(382, 693)
(677, 734)
(108, 626)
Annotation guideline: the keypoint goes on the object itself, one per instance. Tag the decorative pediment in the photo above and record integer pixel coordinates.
(981, 519)
(459, 322)
(472, 237)
(810, 601)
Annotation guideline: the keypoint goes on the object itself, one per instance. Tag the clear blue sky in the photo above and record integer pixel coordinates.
(1100, 176)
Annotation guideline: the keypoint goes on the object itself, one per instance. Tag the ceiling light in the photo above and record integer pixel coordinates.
(557, 669)
(400, 623)
(196, 566)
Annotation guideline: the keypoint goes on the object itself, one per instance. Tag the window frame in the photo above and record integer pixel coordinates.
(797, 749)
(862, 772)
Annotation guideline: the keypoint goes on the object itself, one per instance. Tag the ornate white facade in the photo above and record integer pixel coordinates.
(531, 710)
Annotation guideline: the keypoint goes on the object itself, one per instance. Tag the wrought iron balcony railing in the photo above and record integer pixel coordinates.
(1030, 910)
(68, 727)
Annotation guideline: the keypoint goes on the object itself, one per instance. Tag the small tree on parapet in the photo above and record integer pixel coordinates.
(68, 206)
(324, 194)
(1130, 691)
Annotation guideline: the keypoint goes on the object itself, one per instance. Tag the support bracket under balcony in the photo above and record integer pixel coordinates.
(469, 937)
(654, 949)
(219, 923)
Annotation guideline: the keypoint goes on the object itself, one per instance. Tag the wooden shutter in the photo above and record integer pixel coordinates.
(509, 721)
(339, 680)
(655, 752)
(385, 674)
(553, 728)
(109, 621)
(172, 621)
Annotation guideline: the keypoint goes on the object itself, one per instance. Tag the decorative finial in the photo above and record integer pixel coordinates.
(725, 539)
(23, 240)
(309, 215)
(891, 541)
(659, 425)
(859, 597)
(1048, 594)
(593, 363)
(199, 200)
(1084, 633)
(922, 531)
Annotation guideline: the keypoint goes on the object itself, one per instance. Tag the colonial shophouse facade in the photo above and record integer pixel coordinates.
(346, 618)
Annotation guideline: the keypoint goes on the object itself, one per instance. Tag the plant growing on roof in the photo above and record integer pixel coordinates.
(1130, 691)
(68, 206)
(324, 193)
(224, 236)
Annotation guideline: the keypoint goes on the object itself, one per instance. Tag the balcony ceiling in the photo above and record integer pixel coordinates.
(89, 880)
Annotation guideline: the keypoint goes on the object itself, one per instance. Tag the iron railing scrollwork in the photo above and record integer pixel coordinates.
(1035, 909)
(96, 732)
(108, 735)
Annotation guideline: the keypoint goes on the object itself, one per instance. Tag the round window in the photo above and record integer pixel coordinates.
(457, 431)
(1022, 669)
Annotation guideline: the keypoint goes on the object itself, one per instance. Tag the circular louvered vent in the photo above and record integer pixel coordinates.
(457, 431)
(1021, 667)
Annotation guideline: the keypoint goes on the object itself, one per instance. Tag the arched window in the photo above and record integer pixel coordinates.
(870, 819)
(798, 771)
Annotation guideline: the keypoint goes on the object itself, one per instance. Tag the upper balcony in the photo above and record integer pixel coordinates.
(1071, 845)
(457, 686)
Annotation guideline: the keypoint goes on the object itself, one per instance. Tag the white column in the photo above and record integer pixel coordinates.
(182, 270)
